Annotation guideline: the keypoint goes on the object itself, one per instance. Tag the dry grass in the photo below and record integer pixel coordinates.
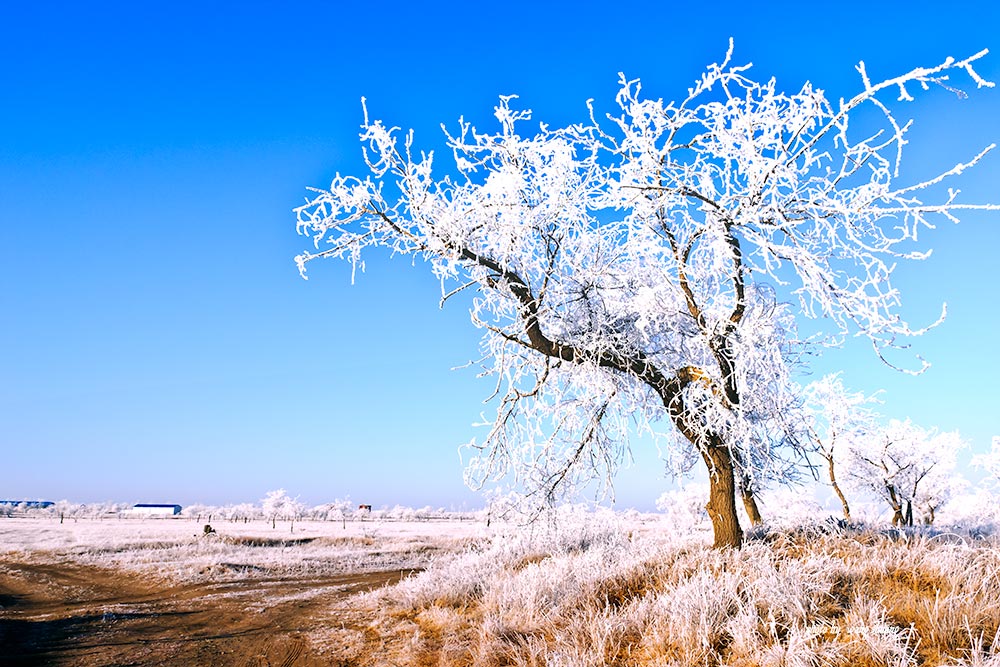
(806, 598)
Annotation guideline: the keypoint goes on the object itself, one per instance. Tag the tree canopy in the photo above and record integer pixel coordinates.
(626, 270)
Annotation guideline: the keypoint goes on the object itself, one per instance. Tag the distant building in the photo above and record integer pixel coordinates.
(149, 509)
(28, 504)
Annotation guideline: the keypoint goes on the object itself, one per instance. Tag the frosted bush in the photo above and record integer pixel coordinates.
(510, 555)
(791, 508)
(684, 508)
(977, 512)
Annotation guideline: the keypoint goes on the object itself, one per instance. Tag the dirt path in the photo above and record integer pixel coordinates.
(81, 616)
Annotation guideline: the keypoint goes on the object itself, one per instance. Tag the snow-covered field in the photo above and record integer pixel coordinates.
(179, 549)
(31, 533)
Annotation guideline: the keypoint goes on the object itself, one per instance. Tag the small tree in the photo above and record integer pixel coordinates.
(907, 467)
(196, 511)
(621, 268)
(839, 420)
(278, 504)
(242, 512)
(63, 508)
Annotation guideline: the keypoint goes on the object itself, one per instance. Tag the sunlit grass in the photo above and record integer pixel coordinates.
(855, 598)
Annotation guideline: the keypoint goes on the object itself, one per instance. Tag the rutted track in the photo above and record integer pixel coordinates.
(82, 616)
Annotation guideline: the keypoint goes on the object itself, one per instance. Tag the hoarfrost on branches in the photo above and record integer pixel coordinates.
(908, 467)
(278, 504)
(839, 420)
(990, 462)
(623, 269)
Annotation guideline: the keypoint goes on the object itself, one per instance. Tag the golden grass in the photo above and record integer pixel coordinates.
(853, 599)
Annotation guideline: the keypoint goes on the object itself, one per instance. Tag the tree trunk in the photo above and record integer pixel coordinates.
(836, 488)
(897, 509)
(750, 503)
(722, 498)
(718, 459)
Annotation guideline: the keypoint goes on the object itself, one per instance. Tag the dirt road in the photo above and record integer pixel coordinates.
(79, 616)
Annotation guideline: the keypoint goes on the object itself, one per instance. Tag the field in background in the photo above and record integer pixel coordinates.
(178, 548)
(580, 588)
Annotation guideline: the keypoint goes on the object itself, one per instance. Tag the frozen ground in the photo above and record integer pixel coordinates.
(95, 592)
(180, 550)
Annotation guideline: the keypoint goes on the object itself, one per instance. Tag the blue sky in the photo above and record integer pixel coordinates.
(157, 343)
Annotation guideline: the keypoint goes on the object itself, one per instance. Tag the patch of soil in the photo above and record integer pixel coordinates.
(79, 616)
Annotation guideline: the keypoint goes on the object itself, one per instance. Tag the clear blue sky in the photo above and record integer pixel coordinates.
(156, 341)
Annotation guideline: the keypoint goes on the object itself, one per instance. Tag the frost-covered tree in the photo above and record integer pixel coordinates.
(242, 512)
(278, 504)
(907, 467)
(338, 510)
(838, 420)
(622, 267)
(63, 509)
(990, 462)
(199, 510)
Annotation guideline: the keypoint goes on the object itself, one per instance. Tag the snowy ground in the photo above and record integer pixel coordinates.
(179, 548)
(27, 533)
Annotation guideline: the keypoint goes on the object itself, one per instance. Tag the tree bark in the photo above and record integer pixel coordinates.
(718, 459)
(897, 509)
(750, 502)
(722, 498)
(836, 488)
(750, 505)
